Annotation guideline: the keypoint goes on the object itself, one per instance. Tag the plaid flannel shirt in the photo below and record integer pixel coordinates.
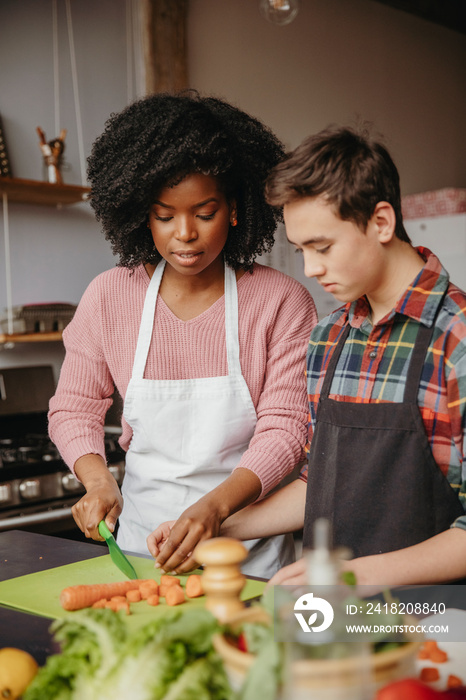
(374, 362)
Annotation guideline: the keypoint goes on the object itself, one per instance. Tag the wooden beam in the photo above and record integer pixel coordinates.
(165, 53)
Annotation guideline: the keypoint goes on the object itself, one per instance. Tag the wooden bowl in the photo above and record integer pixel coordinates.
(328, 678)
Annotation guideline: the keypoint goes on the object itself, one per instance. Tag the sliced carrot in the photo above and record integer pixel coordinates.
(148, 588)
(194, 586)
(454, 681)
(163, 590)
(153, 599)
(438, 656)
(174, 595)
(429, 674)
(134, 596)
(99, 603)
(429, 645)
(169, 580)
(123, 605)
(118, 598)
(150, 584)
(150, 581)
(422, 653)
(77, 597)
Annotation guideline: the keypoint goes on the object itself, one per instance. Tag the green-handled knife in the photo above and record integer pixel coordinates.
(116, 554)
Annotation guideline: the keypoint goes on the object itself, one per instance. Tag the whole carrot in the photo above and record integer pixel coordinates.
(77, 597)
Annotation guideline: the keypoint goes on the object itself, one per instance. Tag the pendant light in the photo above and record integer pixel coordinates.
(279, 12)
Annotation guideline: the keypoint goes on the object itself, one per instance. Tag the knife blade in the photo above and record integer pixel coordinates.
(117, 556)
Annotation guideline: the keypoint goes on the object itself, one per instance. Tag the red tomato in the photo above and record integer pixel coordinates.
(241, 643)
(408, 689)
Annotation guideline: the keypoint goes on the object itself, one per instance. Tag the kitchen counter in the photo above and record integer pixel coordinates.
(24, 553)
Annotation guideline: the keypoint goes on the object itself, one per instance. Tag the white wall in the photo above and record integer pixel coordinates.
(341, 62)
(56, 252)
(337, 62)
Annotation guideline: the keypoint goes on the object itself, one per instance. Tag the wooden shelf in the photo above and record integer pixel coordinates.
(30, 337)
(44, 193)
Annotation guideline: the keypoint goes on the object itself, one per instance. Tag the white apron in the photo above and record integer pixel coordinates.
(188, 435)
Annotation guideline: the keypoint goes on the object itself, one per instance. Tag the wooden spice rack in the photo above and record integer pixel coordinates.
(30, 337)
(44, 193)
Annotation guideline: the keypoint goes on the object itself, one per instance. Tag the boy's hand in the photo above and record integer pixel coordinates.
(291, 575)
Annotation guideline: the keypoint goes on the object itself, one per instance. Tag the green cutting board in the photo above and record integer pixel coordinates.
(39, 593)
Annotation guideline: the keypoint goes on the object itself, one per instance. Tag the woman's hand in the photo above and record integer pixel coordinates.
(203, 519)
(158, 537)
(103, 499)
(99, 503)
(199, 522)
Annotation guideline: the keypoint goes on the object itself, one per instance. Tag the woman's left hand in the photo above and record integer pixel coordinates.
(158, 537)
(177, 542)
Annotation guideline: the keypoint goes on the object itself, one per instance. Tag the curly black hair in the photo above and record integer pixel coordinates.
(157, 141)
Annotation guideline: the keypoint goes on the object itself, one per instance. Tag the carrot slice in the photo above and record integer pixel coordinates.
(148, 588)
(122, 605)
(168, 580)
(429, 674)
(438, 656)
(174, 595)
(194, 586)
(134, 596)
(153, 599)
(454, 681)
(99, 603)
(118, 598)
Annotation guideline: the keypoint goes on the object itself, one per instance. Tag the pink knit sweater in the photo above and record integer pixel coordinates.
(276, 315)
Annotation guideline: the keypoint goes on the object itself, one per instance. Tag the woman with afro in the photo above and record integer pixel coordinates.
(205, 346)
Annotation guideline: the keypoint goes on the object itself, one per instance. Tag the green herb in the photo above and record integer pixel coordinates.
(349, 578)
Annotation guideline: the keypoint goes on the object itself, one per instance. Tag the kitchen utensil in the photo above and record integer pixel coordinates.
(116, 554)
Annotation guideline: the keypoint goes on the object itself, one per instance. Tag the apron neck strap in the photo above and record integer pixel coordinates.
(329, 372)
(148, 315)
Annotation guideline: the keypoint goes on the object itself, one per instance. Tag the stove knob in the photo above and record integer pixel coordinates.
(71, 483)
(5, 493)
(29, 488)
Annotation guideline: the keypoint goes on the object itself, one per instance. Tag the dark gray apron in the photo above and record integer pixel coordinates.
(371, 470)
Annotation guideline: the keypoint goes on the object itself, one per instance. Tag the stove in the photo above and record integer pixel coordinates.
(37, 489)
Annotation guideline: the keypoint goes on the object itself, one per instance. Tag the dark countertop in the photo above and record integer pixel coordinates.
(24, 553)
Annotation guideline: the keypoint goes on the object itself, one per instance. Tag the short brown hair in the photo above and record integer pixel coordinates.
(353, 172)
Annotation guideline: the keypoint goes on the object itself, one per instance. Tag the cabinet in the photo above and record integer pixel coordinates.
(42, 193)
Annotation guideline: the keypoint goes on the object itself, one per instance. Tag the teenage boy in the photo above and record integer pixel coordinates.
(386, 376)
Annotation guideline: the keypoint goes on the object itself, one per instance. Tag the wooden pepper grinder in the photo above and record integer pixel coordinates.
(222, 579)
